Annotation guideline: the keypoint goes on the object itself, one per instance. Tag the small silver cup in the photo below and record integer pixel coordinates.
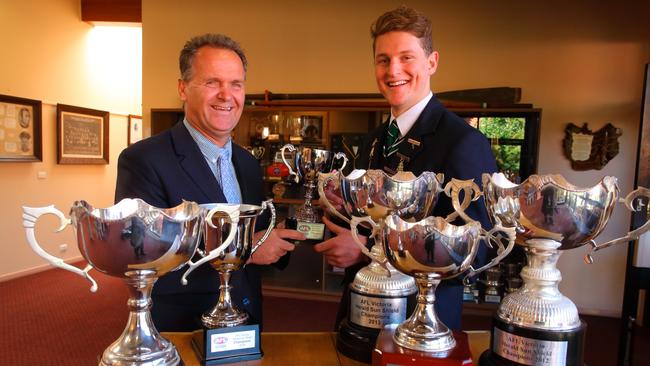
(309, 163)
(226, 255)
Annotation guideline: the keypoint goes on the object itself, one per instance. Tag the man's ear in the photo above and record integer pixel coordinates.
(432, 60)
(181, 89)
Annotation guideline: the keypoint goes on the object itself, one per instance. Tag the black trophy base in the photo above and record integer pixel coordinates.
(356, 342)
(511, 345)
(314, 232)
(233, 344)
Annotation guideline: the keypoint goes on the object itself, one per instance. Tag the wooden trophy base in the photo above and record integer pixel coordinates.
(387, 352)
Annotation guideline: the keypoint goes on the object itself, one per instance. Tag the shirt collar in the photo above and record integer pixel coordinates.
(209, 149)
(407, 119)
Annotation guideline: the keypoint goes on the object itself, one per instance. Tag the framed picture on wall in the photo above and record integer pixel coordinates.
(312, 129)
(82, 135)
(135, 129)
(20, 129)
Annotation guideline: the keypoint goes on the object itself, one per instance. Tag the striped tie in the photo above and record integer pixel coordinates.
(392, 139)
(228, 181)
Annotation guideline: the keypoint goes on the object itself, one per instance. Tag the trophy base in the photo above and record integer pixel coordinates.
(356, 342)
(511, 345)
(387, 352)
(226, 345)
(314, 231)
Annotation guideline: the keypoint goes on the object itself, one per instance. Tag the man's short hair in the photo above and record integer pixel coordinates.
(404, 19)
(222, 41)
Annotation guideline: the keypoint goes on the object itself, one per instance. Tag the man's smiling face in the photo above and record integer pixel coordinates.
(214, 95)
(403, 69)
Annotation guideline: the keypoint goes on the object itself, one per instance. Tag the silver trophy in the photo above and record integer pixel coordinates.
(536, 324)
(230, 257)
(432, 250)
(226, 336)
(379, 295)
(139, 243)
(308, 163)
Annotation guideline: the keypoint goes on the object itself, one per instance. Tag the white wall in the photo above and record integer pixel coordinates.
(49, 54)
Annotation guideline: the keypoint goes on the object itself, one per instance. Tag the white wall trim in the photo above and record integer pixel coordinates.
(33, 270)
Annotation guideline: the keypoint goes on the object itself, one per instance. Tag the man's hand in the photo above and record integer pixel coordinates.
(275, 246)
(341, 250)
(333, 196)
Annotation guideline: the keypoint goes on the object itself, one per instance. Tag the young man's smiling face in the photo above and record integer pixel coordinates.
(403, 69)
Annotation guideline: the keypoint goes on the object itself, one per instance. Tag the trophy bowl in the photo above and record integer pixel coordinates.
(430, 250)
(227, 256)
(139, 243)
(549, 207)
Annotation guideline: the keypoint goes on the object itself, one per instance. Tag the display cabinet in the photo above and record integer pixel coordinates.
(340, 125)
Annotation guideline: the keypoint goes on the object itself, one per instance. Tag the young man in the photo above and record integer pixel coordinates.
(425, 137)
(189, 162)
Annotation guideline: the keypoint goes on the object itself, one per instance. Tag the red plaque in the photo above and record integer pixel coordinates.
(387, 352)
(277, 170)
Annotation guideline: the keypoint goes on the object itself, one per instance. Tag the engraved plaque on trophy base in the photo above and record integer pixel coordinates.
(387, 352)
(314, 231)
(368, 314)
(511, 345)
(226, 345)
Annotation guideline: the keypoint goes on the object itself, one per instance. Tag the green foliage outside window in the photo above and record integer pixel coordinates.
(507, 155)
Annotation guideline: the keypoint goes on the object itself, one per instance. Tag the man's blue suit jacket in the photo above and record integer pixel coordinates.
(166, 169)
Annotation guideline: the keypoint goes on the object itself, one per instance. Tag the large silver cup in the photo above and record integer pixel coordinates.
(139, 243)
(309, 163)
(550, 215)
(231, 256)
(379, 295)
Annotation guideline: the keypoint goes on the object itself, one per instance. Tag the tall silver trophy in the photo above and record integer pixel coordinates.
(431, 250)
(227, 336)
(536, 324)
(379, 295)
(139, 243)
(306, 165)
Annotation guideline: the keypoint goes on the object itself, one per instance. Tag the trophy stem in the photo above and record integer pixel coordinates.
(423, 331)
(224, 314)
(140, 342)
(306, 212)
(539, 304)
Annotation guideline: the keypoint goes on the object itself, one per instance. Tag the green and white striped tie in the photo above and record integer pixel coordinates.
(392, 139)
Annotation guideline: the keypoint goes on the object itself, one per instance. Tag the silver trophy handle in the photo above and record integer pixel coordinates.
(472, 193)
(233, 214)
(632, 235)
(30, 216)
(291, 172)
(323, 180)
(354, 222)
(501, 251)
(341, 155)
(266, 204)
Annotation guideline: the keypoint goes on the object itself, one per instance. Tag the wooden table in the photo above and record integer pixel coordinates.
(312, 349)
